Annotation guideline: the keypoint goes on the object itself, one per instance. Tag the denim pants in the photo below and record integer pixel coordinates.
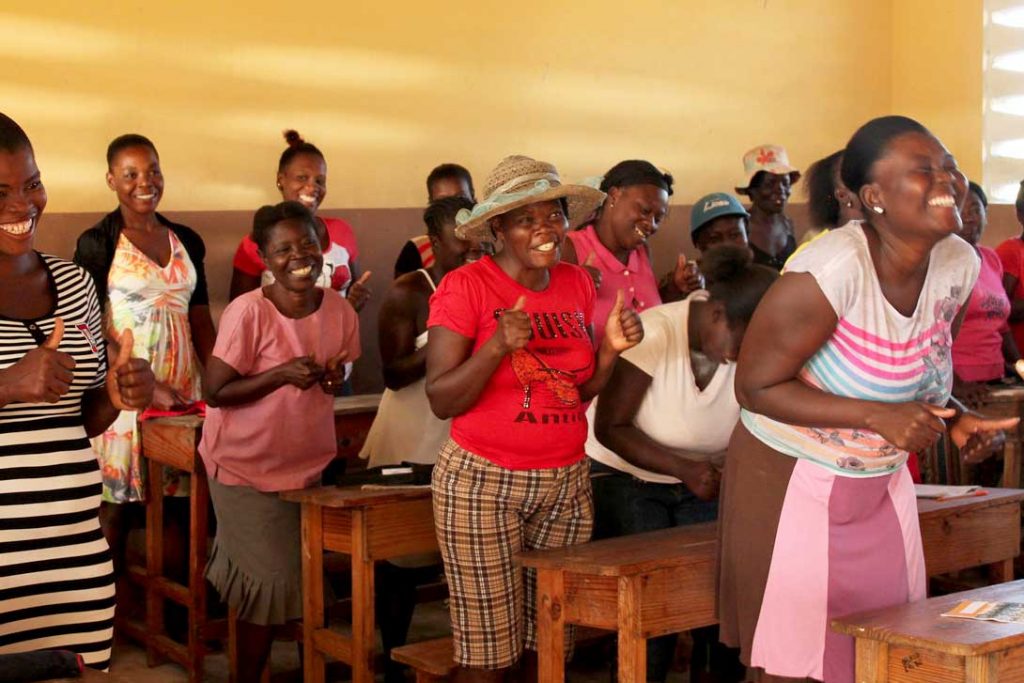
(625, 505)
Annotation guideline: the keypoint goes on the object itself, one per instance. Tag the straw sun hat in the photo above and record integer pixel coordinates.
(518, 181)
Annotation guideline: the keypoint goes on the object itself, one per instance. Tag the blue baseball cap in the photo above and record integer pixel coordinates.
(712, 206)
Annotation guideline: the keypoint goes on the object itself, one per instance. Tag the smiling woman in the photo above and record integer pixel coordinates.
(280, 355)
(58, 586)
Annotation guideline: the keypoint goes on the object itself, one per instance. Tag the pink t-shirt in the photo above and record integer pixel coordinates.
(978, 349)
(285, 439)
(338, 257)
(635, 278)
(1011, 254)
(529, 415)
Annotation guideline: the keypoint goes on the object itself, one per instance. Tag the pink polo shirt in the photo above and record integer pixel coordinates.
(978, 348)
(635, 278)
(285, 439)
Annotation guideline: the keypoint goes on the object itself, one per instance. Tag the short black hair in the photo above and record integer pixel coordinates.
(270, 215)
(636, 172)
(442, 211)
(296, 146)
(869, 144)
(821, 190)
(735, 280)
(123, 142)
(454, 171)
(980, 193)
(12, 137)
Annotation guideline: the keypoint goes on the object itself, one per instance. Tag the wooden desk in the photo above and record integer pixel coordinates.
(353, 416)
(971, 532)
(663, 582)
(643, 586)
(172, 441)
(369, 526)
(912, 643)
(1005, 401)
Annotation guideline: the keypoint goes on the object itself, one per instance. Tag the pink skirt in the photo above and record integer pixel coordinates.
(801, 545)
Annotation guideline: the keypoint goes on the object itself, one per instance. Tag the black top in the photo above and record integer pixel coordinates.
(96, 246)
(777, 262)
(409, 259)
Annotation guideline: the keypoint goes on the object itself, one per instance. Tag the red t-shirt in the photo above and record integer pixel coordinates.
(1011, 254)
(339, 256)
(529, 415)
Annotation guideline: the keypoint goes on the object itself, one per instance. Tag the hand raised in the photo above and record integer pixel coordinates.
(43, 374)
(130, 381)
(687, 276)
(514, 329)
(359, 293)
(623, 329)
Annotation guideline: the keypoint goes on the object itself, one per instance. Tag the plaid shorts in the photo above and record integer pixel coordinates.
(484, 515)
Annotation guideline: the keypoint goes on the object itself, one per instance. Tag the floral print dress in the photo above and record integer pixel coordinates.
(153, 301)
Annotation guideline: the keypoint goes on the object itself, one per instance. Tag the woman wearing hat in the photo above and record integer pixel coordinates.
(510, 360)
(845, 368)
(769, 182)
(718, 218)
(613, 247)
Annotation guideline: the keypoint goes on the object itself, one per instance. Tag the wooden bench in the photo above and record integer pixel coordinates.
(433, 660)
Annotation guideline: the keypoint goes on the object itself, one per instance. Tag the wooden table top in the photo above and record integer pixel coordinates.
(927, 508)
(630, 555)
(186, 421)
(361, 403)
(1011, 392)
(919, 624)
(355, 496)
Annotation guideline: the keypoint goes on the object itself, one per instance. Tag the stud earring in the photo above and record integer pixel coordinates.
(849, 205)
(878, 209)
(279, 186)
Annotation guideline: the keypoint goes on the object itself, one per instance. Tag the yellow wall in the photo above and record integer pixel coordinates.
(937, 62)
(388, 89)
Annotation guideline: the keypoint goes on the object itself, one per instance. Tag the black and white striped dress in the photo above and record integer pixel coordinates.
(56, 578)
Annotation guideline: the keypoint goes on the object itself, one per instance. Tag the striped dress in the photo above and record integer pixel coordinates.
(56, 577)
(821, 522)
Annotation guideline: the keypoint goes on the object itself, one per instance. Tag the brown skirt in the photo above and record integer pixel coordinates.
(256, 563)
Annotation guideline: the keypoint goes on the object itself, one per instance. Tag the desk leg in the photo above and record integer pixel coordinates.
(1011, 461)
(1001, 572)
(872, 661)
(632, 644)
(154, 557)
(550, 626)
(312, 590)
(981, 669)
(363, 640)
(198, 534)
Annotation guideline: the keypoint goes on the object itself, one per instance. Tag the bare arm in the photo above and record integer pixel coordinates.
(224, 386)
(203, 334)
(398, 325)
(242, 283)
(455, 375)
(1016, 305)
(615, 428)
(792, 322)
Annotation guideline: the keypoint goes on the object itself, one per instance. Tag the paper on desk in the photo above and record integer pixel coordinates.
(939, 492)
(1005, 612)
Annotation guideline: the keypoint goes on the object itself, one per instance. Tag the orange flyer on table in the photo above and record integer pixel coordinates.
(1005, 612)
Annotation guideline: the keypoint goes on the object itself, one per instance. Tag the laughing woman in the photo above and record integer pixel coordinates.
(510, 359)
(845, 367)
(279, 357)
(57, 590)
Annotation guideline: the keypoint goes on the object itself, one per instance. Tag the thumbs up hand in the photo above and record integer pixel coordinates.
(687, 276)
(623, 329)
(43, 375)
(514, 329)
(359, 293)
(130, 381)
(334, 372)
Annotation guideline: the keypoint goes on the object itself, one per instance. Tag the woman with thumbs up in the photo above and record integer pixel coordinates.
(510, 359)
(58, 387)
(280, 354)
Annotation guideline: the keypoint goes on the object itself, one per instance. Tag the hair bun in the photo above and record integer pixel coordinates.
(725, 262)
(293, 138)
